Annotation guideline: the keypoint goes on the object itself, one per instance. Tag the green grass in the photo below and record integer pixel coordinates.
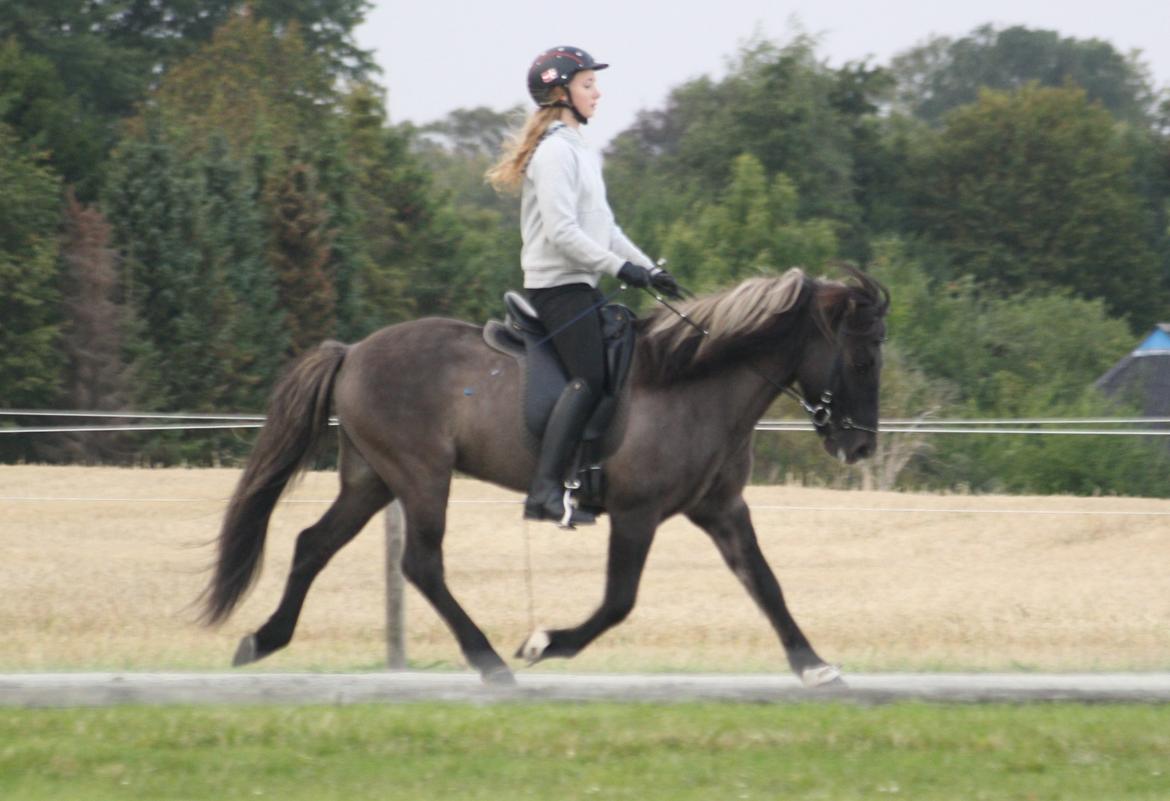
(596, 751)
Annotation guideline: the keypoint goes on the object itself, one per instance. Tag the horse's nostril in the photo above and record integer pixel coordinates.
(863, 451)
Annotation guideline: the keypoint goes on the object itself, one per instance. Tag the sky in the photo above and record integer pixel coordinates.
(441, 55)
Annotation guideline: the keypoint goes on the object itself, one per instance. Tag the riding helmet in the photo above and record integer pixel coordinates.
(556, 67)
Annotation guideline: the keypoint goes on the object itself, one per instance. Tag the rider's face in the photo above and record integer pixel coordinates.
(584, 94)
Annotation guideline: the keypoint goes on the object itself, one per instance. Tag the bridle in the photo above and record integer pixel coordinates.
(820, 414)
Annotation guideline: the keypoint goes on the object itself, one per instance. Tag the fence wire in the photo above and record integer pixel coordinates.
(192, 421)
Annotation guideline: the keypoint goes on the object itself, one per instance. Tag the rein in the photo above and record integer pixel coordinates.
(821, 414)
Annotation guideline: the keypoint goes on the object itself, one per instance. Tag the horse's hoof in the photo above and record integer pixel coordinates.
(822, 676)
(532, 651)
(499, 677)
(247, 652)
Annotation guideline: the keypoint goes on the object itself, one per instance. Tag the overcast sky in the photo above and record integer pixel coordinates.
(440, 55)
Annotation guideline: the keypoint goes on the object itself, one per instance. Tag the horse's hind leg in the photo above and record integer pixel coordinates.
(729, 524)
(422, 564)
(362, 494)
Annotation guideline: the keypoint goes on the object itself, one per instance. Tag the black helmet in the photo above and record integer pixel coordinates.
(556, 67)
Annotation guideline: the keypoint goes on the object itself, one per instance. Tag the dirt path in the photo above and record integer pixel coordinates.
(102, 566)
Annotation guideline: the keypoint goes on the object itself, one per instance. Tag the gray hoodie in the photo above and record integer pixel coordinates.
(566, 224)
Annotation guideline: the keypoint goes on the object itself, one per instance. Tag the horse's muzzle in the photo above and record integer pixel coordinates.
(850, 446)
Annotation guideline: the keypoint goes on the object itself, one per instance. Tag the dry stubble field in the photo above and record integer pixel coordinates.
(101, 566)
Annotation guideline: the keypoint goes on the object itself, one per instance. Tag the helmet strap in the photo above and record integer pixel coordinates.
(567, 103)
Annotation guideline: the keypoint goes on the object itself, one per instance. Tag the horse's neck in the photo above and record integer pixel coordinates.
(738, 395)
(762, 380)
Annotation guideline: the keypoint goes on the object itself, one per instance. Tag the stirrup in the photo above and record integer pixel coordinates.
(566, 521)
(535, 510)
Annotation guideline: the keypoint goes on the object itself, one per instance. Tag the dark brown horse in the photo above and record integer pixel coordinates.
(408, 420)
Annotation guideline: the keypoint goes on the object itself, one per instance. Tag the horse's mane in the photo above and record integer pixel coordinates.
(737, 320)
(763, 312)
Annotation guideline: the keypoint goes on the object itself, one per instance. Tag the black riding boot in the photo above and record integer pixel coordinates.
(547, 495)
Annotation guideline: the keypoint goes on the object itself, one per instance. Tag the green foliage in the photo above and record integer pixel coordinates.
(30, 328)
(943, 74)
(778, 104)
(752, 229)
(1032, 191)
(1019, 356)
(36, 103)
(299, 252)
(87, 65)
(206, 334)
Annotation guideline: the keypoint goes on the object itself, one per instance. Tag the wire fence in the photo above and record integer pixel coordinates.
(1065, 426)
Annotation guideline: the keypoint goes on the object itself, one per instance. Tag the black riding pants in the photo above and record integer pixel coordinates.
(566, 311)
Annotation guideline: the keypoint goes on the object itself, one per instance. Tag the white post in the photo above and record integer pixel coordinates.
(395, 586)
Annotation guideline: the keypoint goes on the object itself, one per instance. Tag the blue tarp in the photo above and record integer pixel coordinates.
(1159, 339)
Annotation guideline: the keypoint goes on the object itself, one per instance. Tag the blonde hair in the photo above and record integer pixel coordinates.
(507, 175)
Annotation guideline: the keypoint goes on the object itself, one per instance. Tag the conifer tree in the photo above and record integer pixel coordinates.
(30, 327)
(96, 375)
(299, 251)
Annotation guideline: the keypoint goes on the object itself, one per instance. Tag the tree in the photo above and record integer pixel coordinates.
(1032, 190)
(233, 240)
(30, 363)
(96, 376)
(943, 74)
(1018, 356)
(30, 325)
(171, 29)
(36, 103)
(152, 204)
(299, 254)
(752, 229)
(779, 104)
(252, 85)
(457, 151)
(92, 63)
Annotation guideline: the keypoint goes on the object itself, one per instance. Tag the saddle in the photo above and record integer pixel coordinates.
(523, 336)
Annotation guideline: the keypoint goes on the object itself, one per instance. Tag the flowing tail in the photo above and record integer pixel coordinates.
(298, 417)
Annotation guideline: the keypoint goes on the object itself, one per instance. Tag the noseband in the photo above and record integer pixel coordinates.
(822, 413)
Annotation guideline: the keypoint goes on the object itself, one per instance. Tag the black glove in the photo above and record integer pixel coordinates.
(634, 275)
(664, 282)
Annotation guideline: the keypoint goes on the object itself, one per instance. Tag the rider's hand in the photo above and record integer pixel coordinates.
(664, 282)
(634, 275)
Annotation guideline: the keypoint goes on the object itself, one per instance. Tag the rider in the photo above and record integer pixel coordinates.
(569, 240)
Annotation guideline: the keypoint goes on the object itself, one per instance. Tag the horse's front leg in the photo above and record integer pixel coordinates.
(728, 522)
(629, 542)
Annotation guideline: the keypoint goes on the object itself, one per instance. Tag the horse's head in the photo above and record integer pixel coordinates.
(840, 370)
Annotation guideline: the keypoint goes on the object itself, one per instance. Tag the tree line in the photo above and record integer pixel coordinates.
(190, 196)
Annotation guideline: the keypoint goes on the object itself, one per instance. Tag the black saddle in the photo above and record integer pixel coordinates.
(523, 336)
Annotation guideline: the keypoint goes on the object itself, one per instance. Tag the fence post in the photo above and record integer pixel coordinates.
(395, 586)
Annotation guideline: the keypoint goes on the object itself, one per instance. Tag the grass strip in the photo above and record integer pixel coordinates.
(643, 752)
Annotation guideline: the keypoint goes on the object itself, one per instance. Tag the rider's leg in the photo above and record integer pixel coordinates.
(571, 313)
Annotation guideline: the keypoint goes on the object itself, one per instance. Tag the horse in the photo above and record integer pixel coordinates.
(704, 372)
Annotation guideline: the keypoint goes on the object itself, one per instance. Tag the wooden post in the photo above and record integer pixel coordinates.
(395, 587)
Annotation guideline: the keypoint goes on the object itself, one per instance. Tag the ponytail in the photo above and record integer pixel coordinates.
(507, 176)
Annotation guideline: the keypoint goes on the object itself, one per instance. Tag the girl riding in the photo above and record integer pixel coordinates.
(570, 239)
